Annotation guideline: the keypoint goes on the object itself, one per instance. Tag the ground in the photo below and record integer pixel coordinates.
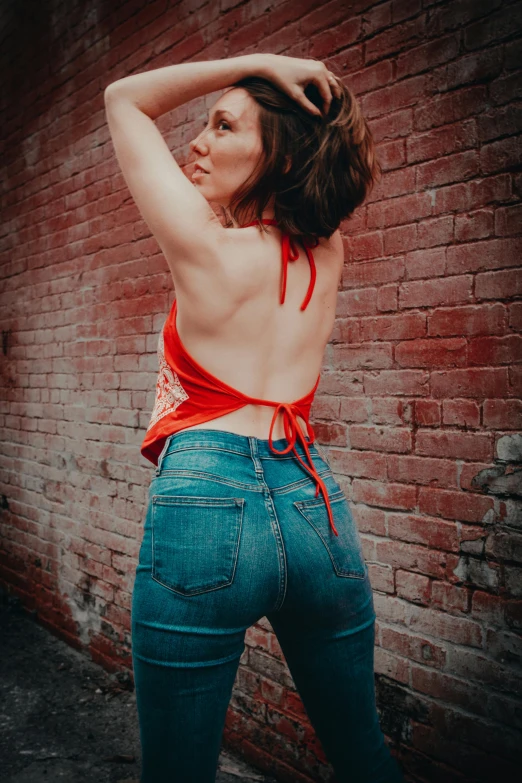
(64, 718)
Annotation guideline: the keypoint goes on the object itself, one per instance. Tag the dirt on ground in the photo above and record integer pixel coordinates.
(64, 718)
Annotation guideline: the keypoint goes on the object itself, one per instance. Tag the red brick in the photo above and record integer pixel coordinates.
(393, 327)
(427, 56)
(498, 285)
(391, 154)
(357, 463)
(400, 210)
(387, 298)
(371, 355)
(453, 443)
(281, 15)
(381, 578)
(459, 506)
(413, 587)
(508, 220)
(458, 630)
(411, 557)
(391, 666)
(489, 190)
(397, 382)
(327, 15)
(330, 40)
(361, 301)
(372, 273)
(420, 530)
(346, 61)
(346, 331)
(425, 263)
(471, 319)
(427, 413)
(501, 155)
(488, 608)
(432, 352)
(422, 293)
(377, 18)
(502, 414)
(380, 438)
(438, 231)
(453, 168)
(505, 121)
(421, 470)
(515, 316)
(473, 382)
(456, 14)
(394, 39)
(488, 254)
(380, 494)
(453, 106)
(515, 381)
(461, 413)
(371, 78)
(472, 666)
(450, 690)
(450, 598)
(393, 97)
(369, 520)
(397, 124)
(441, 141)
(397, 240)
(495, 350)
(475, 225)
(505, 89)
(250, 31)
(364, 246)
(414, 647)
(288, 37)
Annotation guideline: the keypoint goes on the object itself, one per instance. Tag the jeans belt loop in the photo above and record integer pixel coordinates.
(163, 452)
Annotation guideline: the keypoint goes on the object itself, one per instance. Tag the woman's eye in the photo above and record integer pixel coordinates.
(222, 122)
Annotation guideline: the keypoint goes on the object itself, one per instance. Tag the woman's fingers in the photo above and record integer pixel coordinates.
(328, 87)
(334, 84)
(293, 74)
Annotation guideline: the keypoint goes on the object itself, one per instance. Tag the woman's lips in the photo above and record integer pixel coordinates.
(198, 172)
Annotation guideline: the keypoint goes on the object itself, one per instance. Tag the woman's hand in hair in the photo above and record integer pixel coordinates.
(293, 74)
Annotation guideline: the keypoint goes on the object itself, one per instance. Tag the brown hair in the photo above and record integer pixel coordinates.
(332, 162)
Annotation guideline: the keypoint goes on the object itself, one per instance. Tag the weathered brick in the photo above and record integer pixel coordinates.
(420, 393)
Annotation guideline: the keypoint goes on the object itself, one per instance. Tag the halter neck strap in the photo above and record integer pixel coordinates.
(290, 252)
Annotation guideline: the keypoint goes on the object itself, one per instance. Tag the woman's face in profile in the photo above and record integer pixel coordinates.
(228, 148)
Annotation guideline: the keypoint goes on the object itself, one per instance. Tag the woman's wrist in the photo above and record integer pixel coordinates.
(160, 90)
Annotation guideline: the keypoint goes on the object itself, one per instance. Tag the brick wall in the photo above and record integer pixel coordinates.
(419, 404)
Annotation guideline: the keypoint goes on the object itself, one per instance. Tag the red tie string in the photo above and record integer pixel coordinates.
(292, 430)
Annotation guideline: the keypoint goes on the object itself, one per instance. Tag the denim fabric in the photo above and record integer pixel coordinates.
(233, 533)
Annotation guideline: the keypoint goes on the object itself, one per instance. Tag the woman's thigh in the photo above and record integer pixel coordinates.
(233, 533)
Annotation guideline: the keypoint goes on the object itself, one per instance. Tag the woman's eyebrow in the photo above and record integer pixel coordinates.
(219, 112)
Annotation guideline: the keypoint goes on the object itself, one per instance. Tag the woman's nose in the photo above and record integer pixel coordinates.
(197, 142)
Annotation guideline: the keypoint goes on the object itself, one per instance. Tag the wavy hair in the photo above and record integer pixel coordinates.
(319, 169)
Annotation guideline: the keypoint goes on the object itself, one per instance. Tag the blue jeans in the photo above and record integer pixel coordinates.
(234, 533)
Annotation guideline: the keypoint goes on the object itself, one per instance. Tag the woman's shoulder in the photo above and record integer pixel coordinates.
(246, 252)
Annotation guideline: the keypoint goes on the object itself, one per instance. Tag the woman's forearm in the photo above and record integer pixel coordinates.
(163, 89)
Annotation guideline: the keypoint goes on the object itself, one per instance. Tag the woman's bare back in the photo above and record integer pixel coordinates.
(243, 335)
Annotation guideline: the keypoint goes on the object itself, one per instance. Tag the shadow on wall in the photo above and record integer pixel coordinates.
(43, 36)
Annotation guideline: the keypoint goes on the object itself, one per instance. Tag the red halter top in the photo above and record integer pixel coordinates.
(187, 394)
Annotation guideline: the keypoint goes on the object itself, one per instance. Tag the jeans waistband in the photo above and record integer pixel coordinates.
(241, 444)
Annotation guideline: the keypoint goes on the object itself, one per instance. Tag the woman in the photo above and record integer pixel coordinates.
(236, 528)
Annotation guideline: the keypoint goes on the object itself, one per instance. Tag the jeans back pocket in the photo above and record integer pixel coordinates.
(345, 550)
(195, 541)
